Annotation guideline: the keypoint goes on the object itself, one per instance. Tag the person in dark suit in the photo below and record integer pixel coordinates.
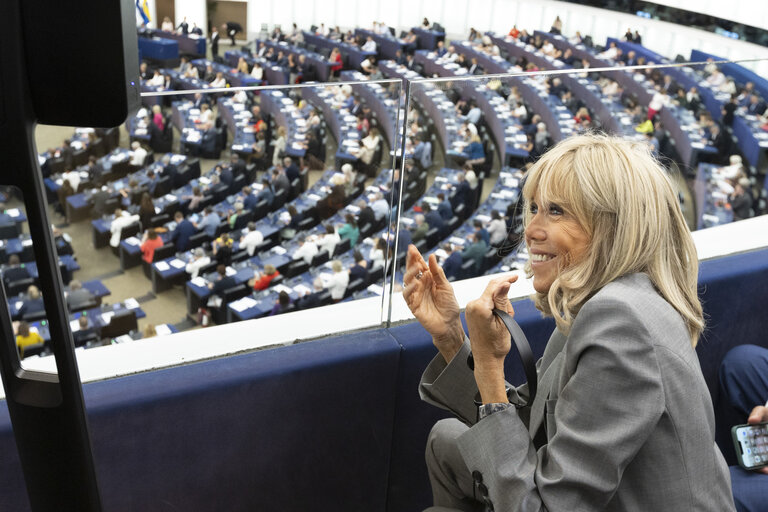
(223, 281)
(360, 269)
(461, 192)
(225, 175)
(475, 251)
(291, 169)
(14, 271)
(33, 303)
(756, 107)
(366, 215)
(312, 299)
(84, 333)
(433, 218)
(184, 26)
(182, 232)
(172, 172)
(94, 169)
(249, 199)
(237, 165)
(452, 264)
(444, 208)
(214, 42)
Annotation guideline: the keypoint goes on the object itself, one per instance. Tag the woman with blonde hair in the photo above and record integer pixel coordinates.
(338, 282)
(622, 419)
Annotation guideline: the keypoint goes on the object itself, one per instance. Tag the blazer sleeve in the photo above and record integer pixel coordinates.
(604, 413)
(452, 386)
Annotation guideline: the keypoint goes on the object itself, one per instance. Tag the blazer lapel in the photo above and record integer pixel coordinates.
(550, 369)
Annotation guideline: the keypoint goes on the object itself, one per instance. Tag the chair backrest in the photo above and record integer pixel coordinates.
(159, 220)
(376, 274)
(320, 258)
(34, 316)
(295, 268)
(164, 252)
(130, 230)
(10, 230)
(198, 239)
(122, 322)
(34, 350)
(279, 200)
(19, 286)
(342, 247)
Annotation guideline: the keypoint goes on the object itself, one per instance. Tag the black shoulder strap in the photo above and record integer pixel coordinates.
(523, 349)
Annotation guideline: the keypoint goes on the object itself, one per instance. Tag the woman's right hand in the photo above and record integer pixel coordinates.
(430, 297)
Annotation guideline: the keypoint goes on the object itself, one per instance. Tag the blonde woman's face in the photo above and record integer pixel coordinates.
(555, 240)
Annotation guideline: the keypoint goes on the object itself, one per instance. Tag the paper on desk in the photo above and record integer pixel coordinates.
(282, 288)
(74, 325)
(163, 330)
(162, 266)
(107, 316)
(26, 243)
(19, 303)
(177, 263)
(132, 240)
(131, 303)
(231, 271)
(301, 289)
(199, 281)
(456, 240)
(279, 250)
(242, 304)
(378, 290)
(13, 212)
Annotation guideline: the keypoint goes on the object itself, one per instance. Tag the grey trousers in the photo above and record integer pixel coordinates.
(453, 488)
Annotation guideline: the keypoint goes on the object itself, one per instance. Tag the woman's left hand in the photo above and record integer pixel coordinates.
(490, 339)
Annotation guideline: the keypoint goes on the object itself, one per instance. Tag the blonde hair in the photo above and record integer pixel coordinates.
(625, 202)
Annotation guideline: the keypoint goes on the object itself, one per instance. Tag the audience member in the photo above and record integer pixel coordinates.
(338, 282)
(199, 260)
(262, 280)
(149, 243)
(252, 239)
(25, 337)
(182, 232)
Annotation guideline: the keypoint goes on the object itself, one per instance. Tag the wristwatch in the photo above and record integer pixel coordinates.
(488, 409)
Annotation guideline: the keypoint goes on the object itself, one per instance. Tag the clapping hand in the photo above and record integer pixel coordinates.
(430, 298)
(490, 339)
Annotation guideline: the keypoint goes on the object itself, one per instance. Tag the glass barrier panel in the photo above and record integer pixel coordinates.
(479, 115)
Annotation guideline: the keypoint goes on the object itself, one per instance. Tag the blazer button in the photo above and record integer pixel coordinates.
(483, 490)
(477, 476)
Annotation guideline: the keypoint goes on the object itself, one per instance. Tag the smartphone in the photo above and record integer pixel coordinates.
(751, 443)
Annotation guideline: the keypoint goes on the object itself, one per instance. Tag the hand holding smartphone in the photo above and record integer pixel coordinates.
(751, 444)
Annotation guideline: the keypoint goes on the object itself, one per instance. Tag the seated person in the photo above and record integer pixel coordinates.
(222, 249)
(78, 297)
(84, 332)
(182, 232)
(744, 384)
(359, 270)
(261, 281)
(33, 303)
(339, 281)
(14, 271)
(223, 281)
(149, 243)
(25, 337)
(452, 263)
(199, 260)
(282, 304)
(311, 299)
(121, 220)
(307, 249)
(251, 239)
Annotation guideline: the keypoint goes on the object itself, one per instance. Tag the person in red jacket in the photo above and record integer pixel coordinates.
(149, 243)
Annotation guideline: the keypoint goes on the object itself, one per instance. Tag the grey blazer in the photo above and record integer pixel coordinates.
(628, 417)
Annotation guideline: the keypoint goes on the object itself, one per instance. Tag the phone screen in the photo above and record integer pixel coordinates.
(751, 443)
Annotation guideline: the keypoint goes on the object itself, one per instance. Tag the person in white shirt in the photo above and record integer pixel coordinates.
(257, 72)
(328, 242)
(122, 220)
(610, 53)
(206, 116)
(376, 256)
(138, 154)
(367, 66)
(339, 281)
(497, 229)
(380, 206)
(370, 45)
(252, 240)
(199, 260)
(219, 81)
(716, 79)
(306, 251)
(368, 146)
